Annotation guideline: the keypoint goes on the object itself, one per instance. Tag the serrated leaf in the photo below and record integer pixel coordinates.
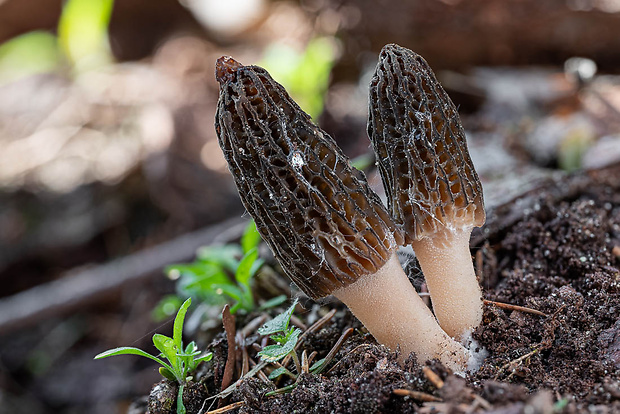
(279, 323)
(250, 238)
(272, 353)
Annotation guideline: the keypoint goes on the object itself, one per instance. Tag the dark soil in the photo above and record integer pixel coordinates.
(555, 250)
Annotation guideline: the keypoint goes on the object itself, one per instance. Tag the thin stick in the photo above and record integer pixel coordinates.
(432, 377)
(416, 395)
(305, 368)
(227, 408)
(260, 374)
(229, 326)
(508, 306)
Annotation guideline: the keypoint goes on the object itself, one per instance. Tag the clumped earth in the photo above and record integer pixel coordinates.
(555, 250)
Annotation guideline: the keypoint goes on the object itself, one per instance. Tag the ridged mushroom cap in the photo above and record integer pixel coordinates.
(324, 224)
(421, 149)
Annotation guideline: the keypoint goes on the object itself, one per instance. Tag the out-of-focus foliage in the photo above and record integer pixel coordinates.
(29, 54)
(83, 32)
(572, 149)
(82, 41)
(305, 75)
(222, 274)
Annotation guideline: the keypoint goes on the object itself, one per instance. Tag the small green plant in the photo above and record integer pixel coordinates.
(222, 274)
(181, 360)
(285, 338)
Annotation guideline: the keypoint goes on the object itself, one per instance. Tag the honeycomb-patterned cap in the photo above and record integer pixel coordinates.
(421, 150)
(324, 224)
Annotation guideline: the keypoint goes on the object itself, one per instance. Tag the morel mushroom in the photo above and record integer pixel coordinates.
(325, 226)
(433, 190)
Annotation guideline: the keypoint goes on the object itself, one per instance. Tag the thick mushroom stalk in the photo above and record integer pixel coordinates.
(433, 190)
(325, 226)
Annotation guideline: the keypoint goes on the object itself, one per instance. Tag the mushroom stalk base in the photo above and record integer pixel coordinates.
(448, 269)
(390, 308)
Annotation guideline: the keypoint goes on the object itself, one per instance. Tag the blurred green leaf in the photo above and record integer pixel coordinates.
(250, 238)
(83, 32)
(572, 149)
(225, 256)
(243, 273)
(166, 307)
(29, 54)
(278, 300)
(304, 75)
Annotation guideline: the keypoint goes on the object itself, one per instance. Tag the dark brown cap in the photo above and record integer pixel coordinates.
(421, 149)
(324, 224)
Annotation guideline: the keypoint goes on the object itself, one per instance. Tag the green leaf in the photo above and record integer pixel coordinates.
(224, 256)
(278, 300)
(166, 346)
(166, 373)
(281, 371)
(272, 353)
(166, 307)
(282, 390)
(128, 350)
(318, 366)
(29, 54)
(177, 332)
(83, 32)
(230, 290)
(250, 238)
(243, 273)
(279, 323)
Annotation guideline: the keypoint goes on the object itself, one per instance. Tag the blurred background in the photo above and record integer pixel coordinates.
(110, 167)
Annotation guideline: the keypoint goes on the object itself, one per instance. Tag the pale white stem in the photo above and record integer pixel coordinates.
(390, 308)
(449, 272)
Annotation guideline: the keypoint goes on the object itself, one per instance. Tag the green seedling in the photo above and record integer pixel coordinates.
(223, 274)
(285, 338)
(181, 360)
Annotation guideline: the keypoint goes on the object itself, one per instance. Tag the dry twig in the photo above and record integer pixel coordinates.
(229, 326)
(508, 306)
(227, 408)
(432, 377)
(416, 395)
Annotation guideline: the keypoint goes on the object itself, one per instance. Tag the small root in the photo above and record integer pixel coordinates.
(518, 308)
